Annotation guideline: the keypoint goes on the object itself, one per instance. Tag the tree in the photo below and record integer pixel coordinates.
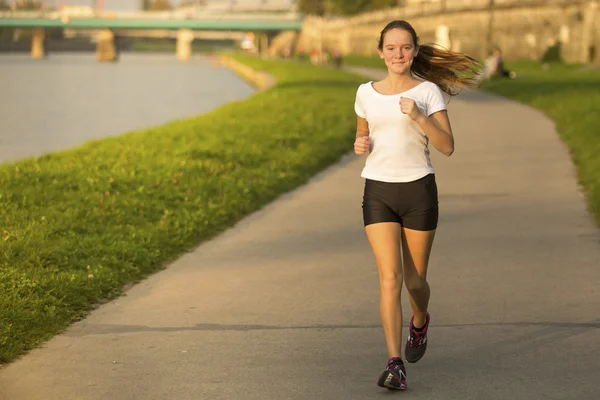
(312, 7)
(160, 5)
(342, 7)
(27, 5)
(4, 5)
(187, 3)
(379, 4)
(351, 7)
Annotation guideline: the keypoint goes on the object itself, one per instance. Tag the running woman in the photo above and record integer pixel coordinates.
(397, 118)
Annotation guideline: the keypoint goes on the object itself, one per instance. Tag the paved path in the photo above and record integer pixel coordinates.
(285, 304)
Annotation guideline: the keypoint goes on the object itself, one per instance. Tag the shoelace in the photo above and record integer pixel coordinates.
(416, 337)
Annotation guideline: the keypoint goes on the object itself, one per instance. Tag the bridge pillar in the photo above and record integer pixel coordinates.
(184, 44)
(262, 43)
(38, 38)
(265, 44)
(106, 49)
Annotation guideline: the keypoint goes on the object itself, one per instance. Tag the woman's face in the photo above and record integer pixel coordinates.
(398, 51)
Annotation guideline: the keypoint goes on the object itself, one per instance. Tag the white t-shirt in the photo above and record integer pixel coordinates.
(399, 148)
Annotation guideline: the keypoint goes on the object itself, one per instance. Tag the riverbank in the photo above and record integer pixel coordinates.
(124, 44)
(78, 226)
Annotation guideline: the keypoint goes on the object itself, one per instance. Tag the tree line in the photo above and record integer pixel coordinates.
(25, 5)
(162, 5)
(343, 7)
(312, 7)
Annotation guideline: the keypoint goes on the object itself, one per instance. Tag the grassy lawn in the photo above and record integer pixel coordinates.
(567, 94)
(571, 97)
(78, 225)
(363, 61)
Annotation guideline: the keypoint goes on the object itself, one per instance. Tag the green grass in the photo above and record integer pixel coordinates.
(363, 61)
(78, 225)
(567, 94)
(570, 96)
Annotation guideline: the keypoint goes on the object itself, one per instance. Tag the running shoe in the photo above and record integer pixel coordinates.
(394, 376)
(416, 344)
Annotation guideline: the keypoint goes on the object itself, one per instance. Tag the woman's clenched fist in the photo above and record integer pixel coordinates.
(409, 107)
(362, 145)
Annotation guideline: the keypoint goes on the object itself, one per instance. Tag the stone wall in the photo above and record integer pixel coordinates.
(524, 29)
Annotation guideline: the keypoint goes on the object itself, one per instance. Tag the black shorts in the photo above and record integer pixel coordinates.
(414, 205)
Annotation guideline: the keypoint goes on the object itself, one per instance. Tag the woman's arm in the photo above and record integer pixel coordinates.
(436, 127)
(362, 142)
(362, 127)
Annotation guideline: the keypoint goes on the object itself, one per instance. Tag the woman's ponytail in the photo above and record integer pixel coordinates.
(451, 71)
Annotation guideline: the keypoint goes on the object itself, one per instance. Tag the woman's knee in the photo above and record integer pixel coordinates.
(391, 282)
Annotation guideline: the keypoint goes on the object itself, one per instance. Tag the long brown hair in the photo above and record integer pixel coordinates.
(450, 70)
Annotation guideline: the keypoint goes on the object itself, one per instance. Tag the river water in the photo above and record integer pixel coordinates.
(68, 99)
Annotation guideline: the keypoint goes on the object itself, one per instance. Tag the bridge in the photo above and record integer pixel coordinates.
(187, 27)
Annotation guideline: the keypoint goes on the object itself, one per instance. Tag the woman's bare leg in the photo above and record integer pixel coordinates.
(416, 249)
(385, 239)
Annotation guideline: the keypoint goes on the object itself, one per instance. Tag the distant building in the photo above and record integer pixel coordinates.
(77, 11)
